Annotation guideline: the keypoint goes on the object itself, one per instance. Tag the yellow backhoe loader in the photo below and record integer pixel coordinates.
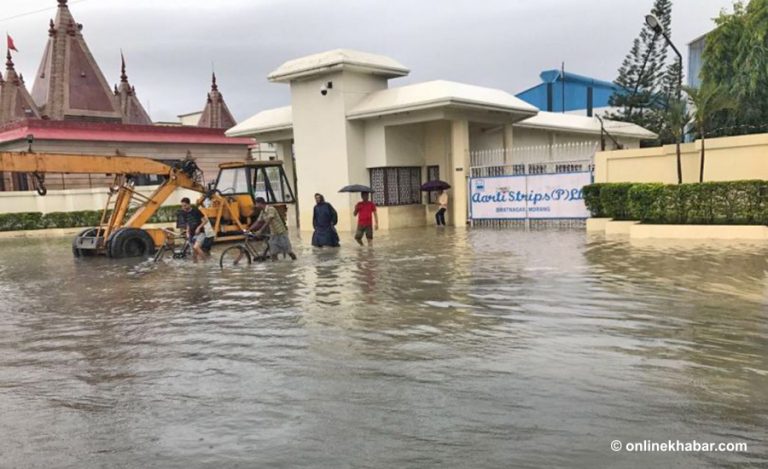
(228, 202)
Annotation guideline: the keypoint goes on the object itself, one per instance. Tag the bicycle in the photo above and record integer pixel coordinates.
(169, 246)
(244, 253)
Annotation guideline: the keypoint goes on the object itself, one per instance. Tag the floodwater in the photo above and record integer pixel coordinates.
(465, 349)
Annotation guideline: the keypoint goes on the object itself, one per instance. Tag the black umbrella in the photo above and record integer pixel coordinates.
(436, 185)
(356, 188)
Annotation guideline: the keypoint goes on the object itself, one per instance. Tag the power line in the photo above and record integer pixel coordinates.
(20, 15)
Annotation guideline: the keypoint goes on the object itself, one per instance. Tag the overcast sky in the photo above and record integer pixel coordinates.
(170, 45)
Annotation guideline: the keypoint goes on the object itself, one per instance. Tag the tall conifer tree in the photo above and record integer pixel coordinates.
(646, 78)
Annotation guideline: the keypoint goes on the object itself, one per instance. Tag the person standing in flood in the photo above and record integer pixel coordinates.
(279, 243)
(367, 219)
(324, 221)
(442, 202)
(198, 229)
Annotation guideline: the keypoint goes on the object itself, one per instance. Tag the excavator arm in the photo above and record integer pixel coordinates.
(123, 193)
(42, 163)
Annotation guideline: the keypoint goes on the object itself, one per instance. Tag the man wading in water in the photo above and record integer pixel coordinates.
(365, 211)
(278, 239)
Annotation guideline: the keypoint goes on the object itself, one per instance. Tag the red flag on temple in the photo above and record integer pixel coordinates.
(11, 45)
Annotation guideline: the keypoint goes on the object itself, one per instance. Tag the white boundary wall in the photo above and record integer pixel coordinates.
(72, 200)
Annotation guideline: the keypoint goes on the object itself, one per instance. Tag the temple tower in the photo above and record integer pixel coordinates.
(69, 84)
(216, 115)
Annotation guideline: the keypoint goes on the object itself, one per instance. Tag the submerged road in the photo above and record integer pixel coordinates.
(478, 349)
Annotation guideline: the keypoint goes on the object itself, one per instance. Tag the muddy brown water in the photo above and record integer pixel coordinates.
(478, 349)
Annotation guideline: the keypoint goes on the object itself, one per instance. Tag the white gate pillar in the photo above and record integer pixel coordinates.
(508, 141)
(459, 172)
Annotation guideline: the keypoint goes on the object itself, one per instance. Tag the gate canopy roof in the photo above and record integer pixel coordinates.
(431, 95)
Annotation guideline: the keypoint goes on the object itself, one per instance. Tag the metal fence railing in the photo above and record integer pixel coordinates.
(572, 151)
(529, 169)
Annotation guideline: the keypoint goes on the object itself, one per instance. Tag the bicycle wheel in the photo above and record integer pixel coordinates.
(235, 256)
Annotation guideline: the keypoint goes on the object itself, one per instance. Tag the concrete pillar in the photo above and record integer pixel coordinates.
(459, 171)
(508, 143)
(330, 151)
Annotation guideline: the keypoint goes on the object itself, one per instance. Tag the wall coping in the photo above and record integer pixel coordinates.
(737, 141)
(637, 230)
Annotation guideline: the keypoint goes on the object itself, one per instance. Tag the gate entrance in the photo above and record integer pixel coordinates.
(536, 187)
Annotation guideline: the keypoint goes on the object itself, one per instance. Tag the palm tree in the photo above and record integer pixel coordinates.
(676, 117)
(707, 101)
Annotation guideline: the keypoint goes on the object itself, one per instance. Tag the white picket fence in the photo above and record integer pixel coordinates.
(538, 154)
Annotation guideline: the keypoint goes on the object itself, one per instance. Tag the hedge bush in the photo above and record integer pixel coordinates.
(710, 203)
(592, 199)
(608, 200)
(82, 218)
(645, 202)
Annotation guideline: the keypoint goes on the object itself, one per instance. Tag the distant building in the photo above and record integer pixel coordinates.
(72, 109)
(695, 53)
(190, 118)
(569, 92)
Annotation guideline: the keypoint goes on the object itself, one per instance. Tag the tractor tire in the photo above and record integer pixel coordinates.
(84, 252)
(130, 242)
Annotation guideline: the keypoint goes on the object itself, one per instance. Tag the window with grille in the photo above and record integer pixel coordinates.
(433, 174)
(537, 168)
(396, 186)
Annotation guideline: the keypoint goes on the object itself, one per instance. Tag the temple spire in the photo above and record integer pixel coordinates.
(125, 96)
(123, 76)
(15, 101)
(216, 114)
(69, 84)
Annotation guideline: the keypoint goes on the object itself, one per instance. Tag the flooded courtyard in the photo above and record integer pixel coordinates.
(467, 349)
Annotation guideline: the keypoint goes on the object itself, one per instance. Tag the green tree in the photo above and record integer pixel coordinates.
(667, 97)
(644, 76)
(707, 101)
(735, 58)
(676, 117)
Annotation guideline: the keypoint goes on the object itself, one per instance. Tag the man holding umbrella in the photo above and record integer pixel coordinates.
(365, 211)
(367, 219)
(442, 198)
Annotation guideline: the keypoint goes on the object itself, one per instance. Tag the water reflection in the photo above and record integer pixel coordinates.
(366, 274)
(434, 348)
(709, 349)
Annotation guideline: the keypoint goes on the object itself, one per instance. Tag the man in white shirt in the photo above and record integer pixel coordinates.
(442, 201)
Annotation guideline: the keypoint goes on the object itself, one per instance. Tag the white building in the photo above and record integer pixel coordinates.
(346, 126)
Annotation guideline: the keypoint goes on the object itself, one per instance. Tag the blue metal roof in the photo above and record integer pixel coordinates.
(576, 91)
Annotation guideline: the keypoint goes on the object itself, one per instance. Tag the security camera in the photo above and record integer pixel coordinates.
(324, 89)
